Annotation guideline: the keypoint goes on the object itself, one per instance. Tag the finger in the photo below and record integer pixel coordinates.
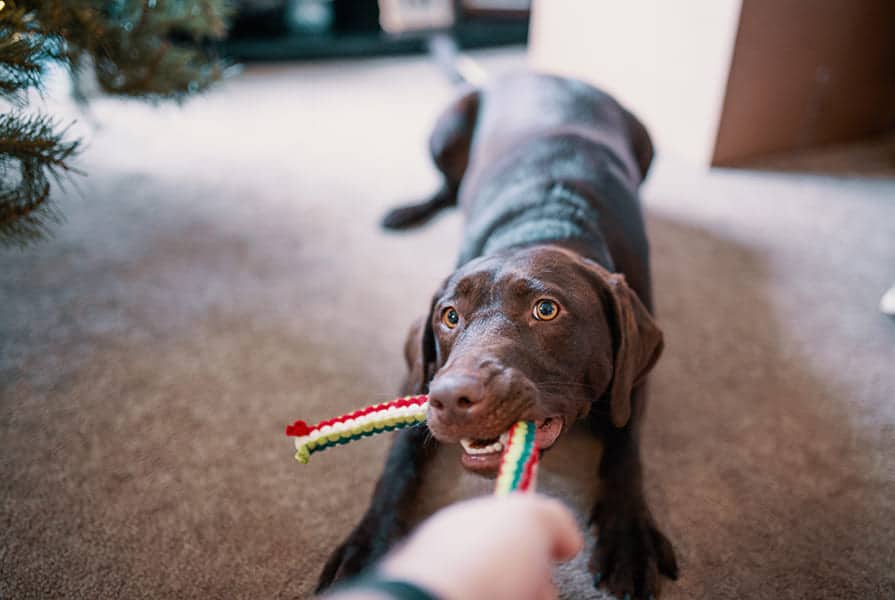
(547, 592)
(543, 588)
(565, 539)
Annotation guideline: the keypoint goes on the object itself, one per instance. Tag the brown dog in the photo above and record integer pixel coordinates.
(547, 318)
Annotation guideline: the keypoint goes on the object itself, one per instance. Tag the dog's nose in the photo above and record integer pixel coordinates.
(454, 396)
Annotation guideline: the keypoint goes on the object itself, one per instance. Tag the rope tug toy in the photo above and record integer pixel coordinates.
(518, 463)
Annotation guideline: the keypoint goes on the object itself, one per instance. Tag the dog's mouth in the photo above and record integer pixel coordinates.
(483, 455)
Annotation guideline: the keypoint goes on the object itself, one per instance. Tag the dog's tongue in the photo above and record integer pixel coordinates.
(547, 432)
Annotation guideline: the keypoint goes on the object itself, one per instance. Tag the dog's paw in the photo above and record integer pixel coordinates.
(630, 555)
(348, 560)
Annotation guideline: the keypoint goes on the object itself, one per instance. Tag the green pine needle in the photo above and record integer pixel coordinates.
(22, 60)
(32, 150)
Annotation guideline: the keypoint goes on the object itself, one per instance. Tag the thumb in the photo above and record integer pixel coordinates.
(564, 539)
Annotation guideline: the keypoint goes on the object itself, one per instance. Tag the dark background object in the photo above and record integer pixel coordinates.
(269, 30)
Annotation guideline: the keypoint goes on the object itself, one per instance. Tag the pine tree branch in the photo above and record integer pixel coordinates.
(20, 67)
(25, 212)
(150, 49)
(31, 150)
(157, 54)
(23, 54)
(34, 138)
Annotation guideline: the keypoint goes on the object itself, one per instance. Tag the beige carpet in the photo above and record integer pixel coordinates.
(221, 273)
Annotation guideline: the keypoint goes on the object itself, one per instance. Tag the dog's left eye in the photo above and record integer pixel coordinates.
(450, 317)
(545, 310)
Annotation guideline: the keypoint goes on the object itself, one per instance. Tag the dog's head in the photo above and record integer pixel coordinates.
(539, 334)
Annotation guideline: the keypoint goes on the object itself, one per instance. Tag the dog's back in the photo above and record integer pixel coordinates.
(519, 109)
(556, 160)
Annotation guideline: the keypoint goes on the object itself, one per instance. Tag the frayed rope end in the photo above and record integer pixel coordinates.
(303, 455)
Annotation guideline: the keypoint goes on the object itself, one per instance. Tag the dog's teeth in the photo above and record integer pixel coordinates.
(504, 438)
(471, 449)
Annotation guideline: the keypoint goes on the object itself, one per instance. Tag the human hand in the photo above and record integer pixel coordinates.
(489, 548)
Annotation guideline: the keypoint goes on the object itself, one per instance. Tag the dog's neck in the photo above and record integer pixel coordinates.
(536, 212)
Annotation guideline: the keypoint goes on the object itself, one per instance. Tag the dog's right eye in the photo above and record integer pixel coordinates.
(450, 317)
(545, 310)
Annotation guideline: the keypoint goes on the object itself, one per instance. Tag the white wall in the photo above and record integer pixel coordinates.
(666, 60)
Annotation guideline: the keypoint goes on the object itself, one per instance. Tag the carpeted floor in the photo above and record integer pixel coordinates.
(221, 273)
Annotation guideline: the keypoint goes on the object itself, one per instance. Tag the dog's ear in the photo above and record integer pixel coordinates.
(420, 354)
(414, 359)
(637, 345)
(429, 350)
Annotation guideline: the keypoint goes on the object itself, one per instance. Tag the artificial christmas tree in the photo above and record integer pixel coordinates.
(152, 49)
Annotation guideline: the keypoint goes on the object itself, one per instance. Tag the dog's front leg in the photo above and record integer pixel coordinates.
(385, 521)
(631, 552)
